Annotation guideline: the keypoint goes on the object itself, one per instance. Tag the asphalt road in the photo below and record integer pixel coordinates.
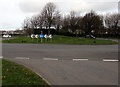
(68, 64)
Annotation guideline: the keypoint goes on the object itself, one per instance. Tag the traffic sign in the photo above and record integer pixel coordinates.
(32, 35)
(45, 36)
(50, 36)
(41, 35)
(36, 36)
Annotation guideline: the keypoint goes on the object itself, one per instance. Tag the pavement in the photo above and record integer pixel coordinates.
(116, 40)
(68, 64)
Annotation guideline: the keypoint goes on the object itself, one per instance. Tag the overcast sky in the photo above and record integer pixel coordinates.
(13, 12)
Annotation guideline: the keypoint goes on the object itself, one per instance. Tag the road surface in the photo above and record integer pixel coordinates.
(68, 64)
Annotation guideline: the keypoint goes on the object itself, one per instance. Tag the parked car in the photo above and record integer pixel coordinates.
(6, 36)
(90, 36)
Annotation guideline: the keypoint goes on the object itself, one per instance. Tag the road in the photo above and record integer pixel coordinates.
(68, 64)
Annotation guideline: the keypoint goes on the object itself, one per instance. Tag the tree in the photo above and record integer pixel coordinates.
(73, 21)
(48, 15)
(112, 22)
(34, 22)
(91, 23)
(40, 21)
(57, 20)
(26, 23)
(27, 26)
(65, 24)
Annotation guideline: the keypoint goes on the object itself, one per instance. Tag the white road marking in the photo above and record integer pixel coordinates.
(1, 57)
(22, 58)
(50, 59)
(43, 78)
(110, 60)
(80, 59)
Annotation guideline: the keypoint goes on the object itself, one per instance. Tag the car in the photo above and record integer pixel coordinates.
(90, 36)
(6, 36)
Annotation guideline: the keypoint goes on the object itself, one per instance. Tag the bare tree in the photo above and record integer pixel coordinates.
(91, 23)
(113, 23)
(40, 21)
(34, 22)
(57, 20)
(73, 23)
(26, 23)
(48, 14)
(27, 26)
(65, 24)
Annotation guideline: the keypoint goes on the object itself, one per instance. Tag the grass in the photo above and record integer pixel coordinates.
(58, 39)
(15, 74)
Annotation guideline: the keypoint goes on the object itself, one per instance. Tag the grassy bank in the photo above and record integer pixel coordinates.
(57, 39)
(15, 74)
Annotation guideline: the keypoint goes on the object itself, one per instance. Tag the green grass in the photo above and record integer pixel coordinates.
(57, 39)
(15, 74)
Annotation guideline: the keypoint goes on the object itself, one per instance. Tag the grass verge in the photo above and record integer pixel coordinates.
(58, 39)
(15, 74)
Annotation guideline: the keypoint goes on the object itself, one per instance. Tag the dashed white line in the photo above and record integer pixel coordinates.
(22, 58)
(50, 59)
(110, 60)
(80, 59)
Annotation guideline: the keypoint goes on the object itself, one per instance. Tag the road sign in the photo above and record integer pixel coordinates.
(36, 36)
(45, 36)
(50, 36)
(41, 35)
(32, 35)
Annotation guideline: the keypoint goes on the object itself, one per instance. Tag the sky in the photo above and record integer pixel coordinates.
(13, 12)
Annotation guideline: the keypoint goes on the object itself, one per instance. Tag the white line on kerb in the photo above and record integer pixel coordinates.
(50, 59)
(43, 78)
(110, 60)
(80, 59)
(22, 58)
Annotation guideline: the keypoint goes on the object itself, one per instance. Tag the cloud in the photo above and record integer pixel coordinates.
(30, 6)
(33, 5)
(96, 6)
(13, 12)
